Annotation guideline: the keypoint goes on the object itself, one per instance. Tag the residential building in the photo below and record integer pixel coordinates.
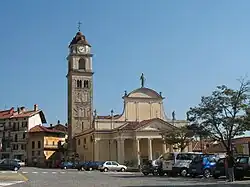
(43, 148)
(132, 135)
(14, 125)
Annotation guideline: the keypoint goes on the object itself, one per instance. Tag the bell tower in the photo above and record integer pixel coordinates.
(80, 85)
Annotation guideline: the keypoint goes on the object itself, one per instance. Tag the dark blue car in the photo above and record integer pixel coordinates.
(93, 165)
(203, 165)
(67, 165)
(9, 164)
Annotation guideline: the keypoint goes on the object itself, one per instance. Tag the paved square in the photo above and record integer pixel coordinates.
(73, 178)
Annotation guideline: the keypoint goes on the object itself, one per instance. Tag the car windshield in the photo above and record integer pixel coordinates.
(242, 160)
(168, 156)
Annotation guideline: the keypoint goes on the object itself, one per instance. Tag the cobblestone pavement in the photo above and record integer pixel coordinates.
(73, 178)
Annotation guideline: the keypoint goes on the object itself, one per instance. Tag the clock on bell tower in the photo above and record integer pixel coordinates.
(80, 85)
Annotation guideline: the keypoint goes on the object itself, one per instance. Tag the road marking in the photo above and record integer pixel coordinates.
(54, 172)
(62, 172)
(24, 172)
(24, 177)
(45, 172)
(34, 172)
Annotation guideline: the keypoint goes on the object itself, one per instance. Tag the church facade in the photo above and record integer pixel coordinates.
(129, 137)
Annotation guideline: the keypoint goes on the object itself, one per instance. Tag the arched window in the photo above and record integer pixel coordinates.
(78, 83)
(82, 64)
(86, 84)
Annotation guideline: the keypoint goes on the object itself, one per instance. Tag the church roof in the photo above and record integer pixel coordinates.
(136, 125)
(79, 39)
(144, 92)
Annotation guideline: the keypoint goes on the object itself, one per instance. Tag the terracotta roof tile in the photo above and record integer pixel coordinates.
(40, 128)
(6, 113)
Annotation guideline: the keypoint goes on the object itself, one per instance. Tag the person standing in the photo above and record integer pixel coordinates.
(230, 166)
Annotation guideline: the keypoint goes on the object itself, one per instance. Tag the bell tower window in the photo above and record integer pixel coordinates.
(79, 84)
(86, 84)
(82, 64)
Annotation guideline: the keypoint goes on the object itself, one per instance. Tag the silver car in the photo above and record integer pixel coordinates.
(112, 166)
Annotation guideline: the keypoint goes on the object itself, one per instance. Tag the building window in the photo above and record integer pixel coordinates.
(53, 143)
(39, 144)
(84, 140)
(33, 153)
(86, 84)
(15, 138)
(33, 145)
(38, 153)
(79, 141)
(82, 64)
(24, 135)
(22, 147)
(47, 143)
(79, 84)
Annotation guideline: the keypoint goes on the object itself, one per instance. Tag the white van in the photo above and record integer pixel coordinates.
(175, 163)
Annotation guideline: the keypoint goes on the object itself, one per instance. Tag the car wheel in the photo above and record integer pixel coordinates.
(145, 173)
(82, 168)
(239, 177)
(90, 169)
(193, 175)
(206, 173)
(105, 169)
(122, 169)
(184, 172)
(216, 176)
(64, 167)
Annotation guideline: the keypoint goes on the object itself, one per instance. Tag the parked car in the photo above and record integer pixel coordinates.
(93, 165)
(219, 169)
(203, 165)
(112, 166)
(22, 163)
(9, 164)
(176, 163)
(68, 165)
(148, 168)
(81, 166)
(242, 167)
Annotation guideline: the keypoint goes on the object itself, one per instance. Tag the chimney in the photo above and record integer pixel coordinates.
(22, 109)
(58, 122)
(35, 107)
(51, 125)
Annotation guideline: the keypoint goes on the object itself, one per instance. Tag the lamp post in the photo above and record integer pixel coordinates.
(111, 126)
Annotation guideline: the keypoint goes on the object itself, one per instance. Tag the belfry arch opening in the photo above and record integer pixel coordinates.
(82, 64)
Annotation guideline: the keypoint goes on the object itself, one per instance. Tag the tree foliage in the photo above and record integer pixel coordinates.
(224, 114)
(180, 137)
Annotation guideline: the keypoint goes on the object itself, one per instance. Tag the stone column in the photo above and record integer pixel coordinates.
(120, 150)
(150, 156)
(137, 151)
(164, 148)
(96, 149)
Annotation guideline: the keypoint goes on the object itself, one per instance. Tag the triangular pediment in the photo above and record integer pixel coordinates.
(156, 125)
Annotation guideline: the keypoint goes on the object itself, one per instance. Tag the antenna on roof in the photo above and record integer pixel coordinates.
(5, 107)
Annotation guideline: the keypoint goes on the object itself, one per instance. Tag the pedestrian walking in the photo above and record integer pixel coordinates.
(230, 166)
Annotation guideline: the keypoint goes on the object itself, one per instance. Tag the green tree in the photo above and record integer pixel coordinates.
(179, 137)
(224, 114)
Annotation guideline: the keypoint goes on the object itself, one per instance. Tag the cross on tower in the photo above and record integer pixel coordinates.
(79, 26)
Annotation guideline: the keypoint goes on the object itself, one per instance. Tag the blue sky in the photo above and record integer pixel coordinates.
(185, 49)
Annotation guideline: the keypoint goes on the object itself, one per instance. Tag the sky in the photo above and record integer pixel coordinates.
(184, 48)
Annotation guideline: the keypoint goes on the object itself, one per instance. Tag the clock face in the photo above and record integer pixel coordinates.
(81, 49)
